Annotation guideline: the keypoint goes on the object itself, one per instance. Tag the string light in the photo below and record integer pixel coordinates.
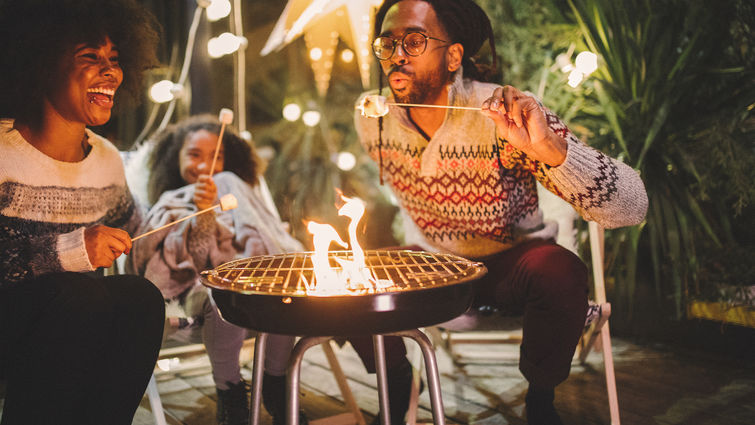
(347, 55)
(345, 161)
(586, 62)
(225, 44)
(291, 112)
(165, 91)
(311, 118)
(575, 77)
(218, 9)
(315, 54)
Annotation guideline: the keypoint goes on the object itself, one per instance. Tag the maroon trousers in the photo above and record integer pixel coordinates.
(539, 279)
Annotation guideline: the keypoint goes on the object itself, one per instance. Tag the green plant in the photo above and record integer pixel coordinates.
(675, 91)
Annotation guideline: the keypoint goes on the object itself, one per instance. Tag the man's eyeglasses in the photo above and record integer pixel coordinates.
(413, 43)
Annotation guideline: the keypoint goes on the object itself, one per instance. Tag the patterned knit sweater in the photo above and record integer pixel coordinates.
(472, 194)
(46, 204)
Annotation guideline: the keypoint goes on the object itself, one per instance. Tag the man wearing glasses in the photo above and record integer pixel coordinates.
(466, 185)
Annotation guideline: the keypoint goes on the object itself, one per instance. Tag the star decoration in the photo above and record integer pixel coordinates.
(323, 22)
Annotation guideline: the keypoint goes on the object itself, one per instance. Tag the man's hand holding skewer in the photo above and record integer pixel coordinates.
(522, 122)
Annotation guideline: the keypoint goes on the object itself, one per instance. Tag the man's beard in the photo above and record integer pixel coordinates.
(424, 89)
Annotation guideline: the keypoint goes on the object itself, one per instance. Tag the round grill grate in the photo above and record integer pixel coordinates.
(289, 274)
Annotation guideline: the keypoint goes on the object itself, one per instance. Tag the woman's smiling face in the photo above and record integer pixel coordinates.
(92, 79)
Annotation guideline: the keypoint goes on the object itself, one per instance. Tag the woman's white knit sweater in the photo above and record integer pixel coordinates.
(46, 204)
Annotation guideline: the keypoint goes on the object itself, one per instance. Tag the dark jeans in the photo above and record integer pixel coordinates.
(78, 349)
(539, 279)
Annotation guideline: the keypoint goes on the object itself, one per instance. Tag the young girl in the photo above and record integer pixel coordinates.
(181, 183)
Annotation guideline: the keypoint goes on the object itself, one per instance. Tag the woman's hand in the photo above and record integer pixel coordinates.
(521, 121)
(105, 244)
(205, 192)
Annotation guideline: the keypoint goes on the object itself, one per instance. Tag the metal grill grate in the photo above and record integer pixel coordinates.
(286, 274)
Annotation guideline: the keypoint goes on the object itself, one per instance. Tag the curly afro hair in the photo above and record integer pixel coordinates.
(165, 174)
(36, 35)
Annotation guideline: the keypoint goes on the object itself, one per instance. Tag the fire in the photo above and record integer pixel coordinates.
(351, 276)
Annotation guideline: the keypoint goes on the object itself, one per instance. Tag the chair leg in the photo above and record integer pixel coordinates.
(155, 402)
(348, 396)
(613, 398)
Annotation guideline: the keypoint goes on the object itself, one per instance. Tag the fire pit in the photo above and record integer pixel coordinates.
(273, 293)
(280, 294)
(325, 293)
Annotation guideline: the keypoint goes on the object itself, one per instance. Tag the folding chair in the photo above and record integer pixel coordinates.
(596, 329)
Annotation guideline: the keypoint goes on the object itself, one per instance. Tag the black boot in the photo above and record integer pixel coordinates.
(274, 399)
(399, 392)
(233, 404)
(539, 407)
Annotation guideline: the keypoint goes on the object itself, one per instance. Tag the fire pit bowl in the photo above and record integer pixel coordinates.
(269, 293)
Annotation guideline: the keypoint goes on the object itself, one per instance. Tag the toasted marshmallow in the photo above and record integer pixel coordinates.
(226, 116)
(373, 106)
(228, 202)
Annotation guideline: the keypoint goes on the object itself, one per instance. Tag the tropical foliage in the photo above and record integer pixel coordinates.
(676, 91)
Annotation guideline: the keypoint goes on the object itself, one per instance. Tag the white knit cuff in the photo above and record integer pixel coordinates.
(72, 252)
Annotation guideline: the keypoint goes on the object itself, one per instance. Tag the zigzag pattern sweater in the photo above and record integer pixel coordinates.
(471, 194)
(46, 204)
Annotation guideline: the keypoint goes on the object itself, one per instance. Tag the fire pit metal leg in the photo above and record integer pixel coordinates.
(257, 370)
(431, 370)
(292, 375)
(382, 379)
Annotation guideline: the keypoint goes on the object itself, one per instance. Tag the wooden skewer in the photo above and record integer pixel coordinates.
(418, 105)
(174, 222)
(226, 117)
(227, 202)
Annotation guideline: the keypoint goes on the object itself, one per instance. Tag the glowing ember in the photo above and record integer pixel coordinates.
(352, 276)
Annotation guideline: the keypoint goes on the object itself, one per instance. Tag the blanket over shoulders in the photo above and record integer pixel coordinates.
(173, 257)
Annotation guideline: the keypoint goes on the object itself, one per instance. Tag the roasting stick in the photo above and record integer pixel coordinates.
(226, 117)
(227, 202)
(375, 106)
(420, 105)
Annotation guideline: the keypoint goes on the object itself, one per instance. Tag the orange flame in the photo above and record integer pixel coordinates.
(354, 275)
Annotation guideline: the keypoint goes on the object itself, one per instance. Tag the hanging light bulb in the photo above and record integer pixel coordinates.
(165, 91)
(311, 118)
(218, 9)
(347, 55)
(291, 112)
(315, 54)
(564, 62)
(586, 62)
(345, 161)
(575, 77)
(225, 44)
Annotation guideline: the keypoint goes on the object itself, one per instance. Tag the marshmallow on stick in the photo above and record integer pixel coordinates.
(227, 202)
(374, 106)
(225, 117)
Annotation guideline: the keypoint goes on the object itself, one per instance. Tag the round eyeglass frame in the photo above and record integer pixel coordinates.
(376, 44)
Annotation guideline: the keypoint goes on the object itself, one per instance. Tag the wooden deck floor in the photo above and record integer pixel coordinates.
(656, 385)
